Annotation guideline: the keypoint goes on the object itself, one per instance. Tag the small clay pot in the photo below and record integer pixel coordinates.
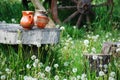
(27, 20)
(42, 21)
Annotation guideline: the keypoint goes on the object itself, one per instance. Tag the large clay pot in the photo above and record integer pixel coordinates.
(27, 20)
(41, 19)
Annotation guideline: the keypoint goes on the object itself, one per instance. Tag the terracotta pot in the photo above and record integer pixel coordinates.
(41, 19)
(27, 20)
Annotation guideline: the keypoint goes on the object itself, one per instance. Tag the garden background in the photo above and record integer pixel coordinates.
(65, 60)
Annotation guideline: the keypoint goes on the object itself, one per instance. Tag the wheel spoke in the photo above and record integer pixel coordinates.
(71, 16)
(79, 20)
(67, 7)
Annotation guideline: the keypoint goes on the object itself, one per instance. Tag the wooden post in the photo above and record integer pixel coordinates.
(111, 48)
(98, 62)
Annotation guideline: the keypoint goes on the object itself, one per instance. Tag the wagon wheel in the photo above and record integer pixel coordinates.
(83, 9)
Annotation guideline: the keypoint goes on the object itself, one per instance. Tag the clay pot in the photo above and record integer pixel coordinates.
(41, 19)
(27, 20)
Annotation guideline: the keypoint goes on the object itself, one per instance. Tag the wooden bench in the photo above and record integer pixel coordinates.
(15, 34)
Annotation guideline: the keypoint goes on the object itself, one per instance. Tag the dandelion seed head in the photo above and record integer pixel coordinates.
(48, 68)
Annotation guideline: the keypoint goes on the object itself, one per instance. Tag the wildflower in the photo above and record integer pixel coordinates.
(83, 76)
(95, 37)
(34, 64)
(74, 70)
(3, 77)
(13, 20)
(111, 78)
(73, 78)
(95, 57)
(74, 27)
(28, 66)
(19, 41)
(112, 74)
(66, 63)
(33, 57)
(101, 73)
(36, 61)
(57, 26)
(42, 75)
(47, 69)
(40, 64)
(78, 77)
(8, 71)
(56, 65)
(93, 50)
(3, 22)
(38, 44)
(29, 78)
(64, 79)
(62, 28)
(100, 65)
(56, 77)
(105, 66)
(86, 42)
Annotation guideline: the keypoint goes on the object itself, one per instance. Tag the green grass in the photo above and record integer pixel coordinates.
(64, 60)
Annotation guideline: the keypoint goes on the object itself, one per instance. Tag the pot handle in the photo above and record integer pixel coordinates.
(30, 18)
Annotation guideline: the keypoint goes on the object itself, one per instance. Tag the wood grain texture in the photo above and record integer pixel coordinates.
(15, 34)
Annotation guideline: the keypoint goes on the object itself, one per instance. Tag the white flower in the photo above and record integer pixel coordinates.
(100, 65)
(57, 26)
(3, 22)
(93, 50)
(78, 77)
(35, 64)
(13, 20)
(29, 78)
(95, 37)
(83, 76)
(101, 73)
(47, 69)
(8, 71)
(19, 41)
(95, 57)
(105, 66)
(64, 79)
(74, 27)
(28, 66)
(38, 44)
(74, 70)
(73, 78)
(42, 75)
(3, 77)
(111, 78)
(56, 77)
(66, 63)
(56, 65)
(112, 74)
(62, 28)
(86, 42)
(33, 57)
(36, 61)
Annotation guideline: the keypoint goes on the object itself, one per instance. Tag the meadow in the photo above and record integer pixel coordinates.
(65, 60)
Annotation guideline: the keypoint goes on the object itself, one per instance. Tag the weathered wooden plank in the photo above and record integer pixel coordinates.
(15, 34)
